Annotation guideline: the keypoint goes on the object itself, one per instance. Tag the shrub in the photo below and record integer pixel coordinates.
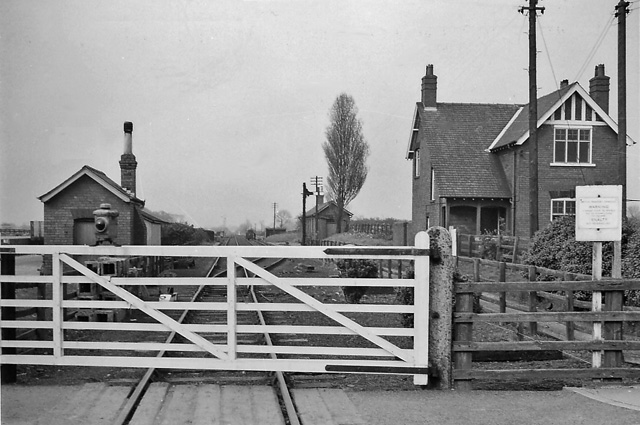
(555, 248)
(356, 268)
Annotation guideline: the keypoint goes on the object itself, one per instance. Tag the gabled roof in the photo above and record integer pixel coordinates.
(149, 216)
(323, 207)
(517, 130)
(100, 178)
(456, 136)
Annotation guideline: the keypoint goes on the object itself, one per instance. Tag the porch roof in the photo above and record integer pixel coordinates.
(456, 136)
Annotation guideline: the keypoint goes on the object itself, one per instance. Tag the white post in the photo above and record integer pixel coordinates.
(232, 337)
(596, 301)
(454, 241)
(58, 311)
(421, 309)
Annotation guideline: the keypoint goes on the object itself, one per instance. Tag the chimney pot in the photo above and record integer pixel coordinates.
(429, 88)
(599, 88)
(128, 163)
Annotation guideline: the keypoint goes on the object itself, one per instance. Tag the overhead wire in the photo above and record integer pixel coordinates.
(596, 46)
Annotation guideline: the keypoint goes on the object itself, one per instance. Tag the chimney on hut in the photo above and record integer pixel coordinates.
(599, 88)
(128, 162)
(429, 88)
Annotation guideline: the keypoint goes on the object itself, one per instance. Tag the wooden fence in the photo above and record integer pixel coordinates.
(372, 228)
(498, 247)
(607, 347)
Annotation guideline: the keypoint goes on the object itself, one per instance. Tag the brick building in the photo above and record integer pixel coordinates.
(327, 214)
(471, 161)
(68, 207)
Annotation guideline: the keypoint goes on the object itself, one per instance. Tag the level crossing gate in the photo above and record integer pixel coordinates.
(43, 328)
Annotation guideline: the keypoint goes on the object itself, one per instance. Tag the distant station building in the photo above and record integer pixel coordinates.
(69, 207)
(327, 215)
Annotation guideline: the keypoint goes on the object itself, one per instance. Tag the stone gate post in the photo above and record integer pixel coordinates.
(440, 306)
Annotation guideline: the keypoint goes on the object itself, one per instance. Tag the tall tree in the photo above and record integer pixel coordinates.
(346, 151)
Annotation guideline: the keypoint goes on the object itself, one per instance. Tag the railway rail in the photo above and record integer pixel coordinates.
(217, 294)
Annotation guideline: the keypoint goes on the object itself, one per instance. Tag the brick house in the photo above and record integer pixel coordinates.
(471, 161)
(68, 207)
(327, 213)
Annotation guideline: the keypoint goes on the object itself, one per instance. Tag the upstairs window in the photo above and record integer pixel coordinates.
(572, 145)
(416, 163)
(432, 185)
(561, 207)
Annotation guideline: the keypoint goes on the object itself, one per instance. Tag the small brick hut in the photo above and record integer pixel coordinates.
(68, 207)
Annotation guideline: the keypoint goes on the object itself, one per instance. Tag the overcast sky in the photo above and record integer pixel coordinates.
(230, 99)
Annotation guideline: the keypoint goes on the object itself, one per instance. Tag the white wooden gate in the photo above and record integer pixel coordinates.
(137, 342)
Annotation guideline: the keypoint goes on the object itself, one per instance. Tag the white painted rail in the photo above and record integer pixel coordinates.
(359, 346)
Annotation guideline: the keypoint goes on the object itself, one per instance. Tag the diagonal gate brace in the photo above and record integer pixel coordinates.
(326, 310)
(142, 306)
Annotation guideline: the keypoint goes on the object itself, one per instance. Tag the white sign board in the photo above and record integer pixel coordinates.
(598, 213)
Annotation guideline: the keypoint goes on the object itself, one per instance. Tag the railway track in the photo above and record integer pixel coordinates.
(218, 294)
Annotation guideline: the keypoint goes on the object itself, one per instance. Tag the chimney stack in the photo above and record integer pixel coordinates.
(429, 88)
(564, 83)
(599, 88)
(128, 162)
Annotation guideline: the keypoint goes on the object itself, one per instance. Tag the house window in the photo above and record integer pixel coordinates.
(562, 206)
(572, 145)
(432, 185)
(416, 163)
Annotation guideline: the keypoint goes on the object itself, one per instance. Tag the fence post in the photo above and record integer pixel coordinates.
(613, 302)
(596, 301)
(533, 301)
(440, 307)
(8, 267)
(463, 332)
(502, 277)
(570, 326)
(421, 307)
(476, 270)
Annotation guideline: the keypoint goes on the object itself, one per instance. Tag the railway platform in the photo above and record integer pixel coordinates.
(163, 403)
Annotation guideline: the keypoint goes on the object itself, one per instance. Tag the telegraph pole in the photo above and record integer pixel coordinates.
(275, 206)
(533, 117)
(622, 8)
(317, 181)
(305, 193)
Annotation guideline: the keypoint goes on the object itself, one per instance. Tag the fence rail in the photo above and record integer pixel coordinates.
(496, 247)
(608, 346)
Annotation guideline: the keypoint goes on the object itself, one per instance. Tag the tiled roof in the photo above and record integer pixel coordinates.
(520, 125)
(456, 136)
(324, 206)
(98, 176)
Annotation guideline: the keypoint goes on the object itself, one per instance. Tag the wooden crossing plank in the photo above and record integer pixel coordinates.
(150, 405)
(108, 405)
(165, 404)
(250, 405)
(265, 405)
(325, 406)
(208, 409)
(179, 405)
(95, 403)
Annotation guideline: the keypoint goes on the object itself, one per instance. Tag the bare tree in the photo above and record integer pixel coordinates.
(346, 151)
(283, 217)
